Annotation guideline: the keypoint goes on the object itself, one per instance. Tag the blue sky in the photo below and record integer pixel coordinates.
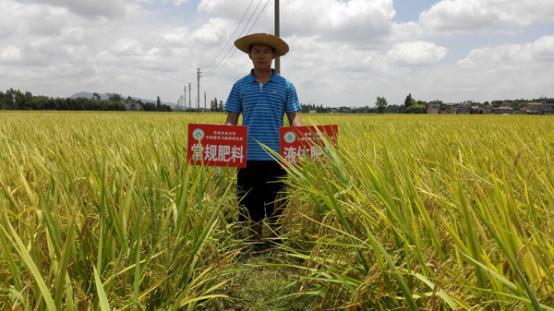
(343, 52)
(408, 10)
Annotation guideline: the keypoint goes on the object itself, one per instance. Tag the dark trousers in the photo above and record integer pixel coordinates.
(257, 186)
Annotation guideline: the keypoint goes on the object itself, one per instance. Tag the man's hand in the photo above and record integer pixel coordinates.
(232, 118)
(294, 119)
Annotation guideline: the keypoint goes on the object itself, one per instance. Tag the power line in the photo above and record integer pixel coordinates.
(231, 51)
(258, 17)
(231, 47)
(231, 36)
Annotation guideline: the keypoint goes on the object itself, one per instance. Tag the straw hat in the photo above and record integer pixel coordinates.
(280, 46)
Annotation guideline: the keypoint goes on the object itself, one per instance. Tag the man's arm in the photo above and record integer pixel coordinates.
(294, 119)
(232, 118)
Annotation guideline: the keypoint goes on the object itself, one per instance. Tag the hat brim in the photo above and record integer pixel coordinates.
(280, 46)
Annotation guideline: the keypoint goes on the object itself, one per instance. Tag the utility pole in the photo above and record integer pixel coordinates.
(198, 75)
(190, 101)
(185, 98)
(277, 34)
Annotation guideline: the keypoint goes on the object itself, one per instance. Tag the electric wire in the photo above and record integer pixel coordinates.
(230, 36)
(231, 51)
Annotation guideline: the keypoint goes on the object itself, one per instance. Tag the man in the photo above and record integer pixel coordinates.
(263, 97)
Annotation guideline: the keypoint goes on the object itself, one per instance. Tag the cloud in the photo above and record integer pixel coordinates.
(106, 8)
(45, 20)
(213, 33)
(402, 32)
(503, 71)
(452, 16)
(416, 53)
(339, 20)
(543, 49)
(511, 55)
(127, 46)
(9, 54)
(175, 36)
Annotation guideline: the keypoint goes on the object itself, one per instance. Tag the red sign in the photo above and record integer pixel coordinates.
(306, 141)
(217, 145)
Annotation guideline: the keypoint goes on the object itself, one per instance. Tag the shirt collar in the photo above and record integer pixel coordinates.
(272, 79)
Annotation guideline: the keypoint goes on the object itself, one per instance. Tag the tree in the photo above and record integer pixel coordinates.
(115, 98)
(381, 104)
(409, 101)
(416, 108)
(96, 96)
(158, 103)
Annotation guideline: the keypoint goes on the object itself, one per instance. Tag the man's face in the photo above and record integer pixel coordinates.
(261, 56)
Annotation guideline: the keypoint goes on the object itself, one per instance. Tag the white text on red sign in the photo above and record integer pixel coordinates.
(220, 153)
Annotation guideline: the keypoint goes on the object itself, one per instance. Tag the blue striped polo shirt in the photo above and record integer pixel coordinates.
(263, 108)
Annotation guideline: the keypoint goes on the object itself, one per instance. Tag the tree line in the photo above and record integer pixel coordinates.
(412, 105)
(18, 100)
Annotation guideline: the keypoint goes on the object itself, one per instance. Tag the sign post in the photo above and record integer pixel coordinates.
(306, 141)
(217, 145)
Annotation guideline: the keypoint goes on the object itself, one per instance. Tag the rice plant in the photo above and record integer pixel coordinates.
(102, 211)
(428, 212)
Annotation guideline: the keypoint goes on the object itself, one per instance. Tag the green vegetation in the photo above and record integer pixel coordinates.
(17, 100)
(381, 104)
(101, 211)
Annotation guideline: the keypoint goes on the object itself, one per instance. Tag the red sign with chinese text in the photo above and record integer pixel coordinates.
(217, 145)
(306, 141)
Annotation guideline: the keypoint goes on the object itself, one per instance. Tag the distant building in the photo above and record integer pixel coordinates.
(486, 109)
(345, 109)
(503, 110)
(475, 110)
(451, 109)
(548, 107)
(433, 108)
(464, 108)
(534, 108)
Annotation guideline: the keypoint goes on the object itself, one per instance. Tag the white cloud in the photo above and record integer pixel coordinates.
(402, 32)
(543, 49)
(106, 8)
(9, 54)
(127, 46)
(341, 20)
(366, 20)
(451, 16)
(175, 36)
(74, 35)
(8, 22)
(179, 2)
(504, 71)
(213, 32)
(511, 55)
(45, 20)
(416, 53)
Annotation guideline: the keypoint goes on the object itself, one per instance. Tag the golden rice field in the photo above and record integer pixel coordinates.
(101, 211)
